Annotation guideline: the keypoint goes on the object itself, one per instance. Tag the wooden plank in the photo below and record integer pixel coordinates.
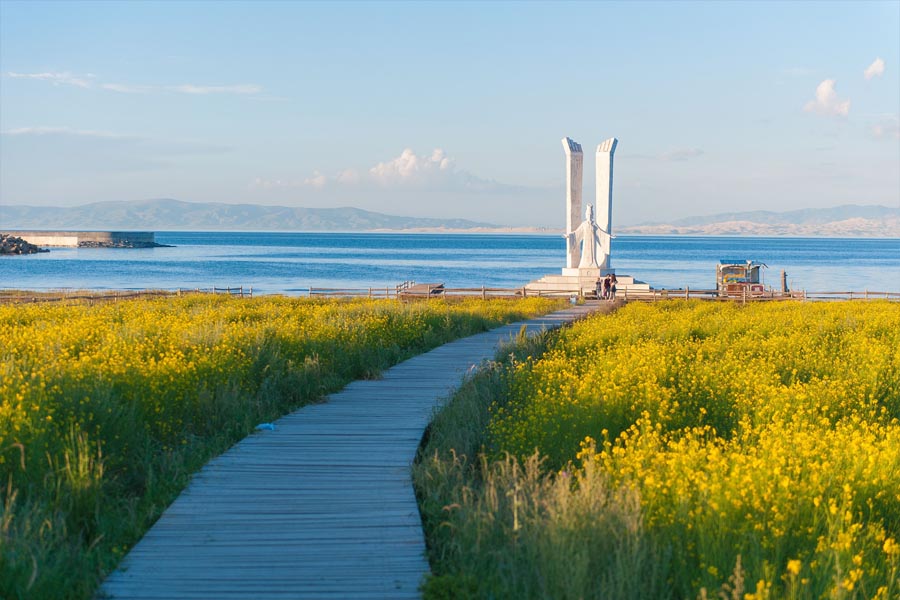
(321, 507)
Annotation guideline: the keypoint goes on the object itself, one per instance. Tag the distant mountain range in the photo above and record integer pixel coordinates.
(841, 221)
(175, 215)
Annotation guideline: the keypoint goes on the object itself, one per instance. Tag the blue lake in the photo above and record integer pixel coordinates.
(290, 263)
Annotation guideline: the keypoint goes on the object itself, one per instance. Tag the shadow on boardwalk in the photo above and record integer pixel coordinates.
(321, 507)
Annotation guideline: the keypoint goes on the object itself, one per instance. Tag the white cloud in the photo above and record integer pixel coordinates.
(887, 128)
(244, 88)
(317, 180)
(826, 102)
(265, 184)
(124, 88)
(187, 88)
(679, 154)
(55, 78)
(347, 176)
(275, 184)
(408, 171)
(411, 168)
(87, 81)
(22, 131)
(876, 69)
(70, 137)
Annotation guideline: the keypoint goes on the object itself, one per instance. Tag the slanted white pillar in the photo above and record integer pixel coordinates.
(605, 153)
(574, 170)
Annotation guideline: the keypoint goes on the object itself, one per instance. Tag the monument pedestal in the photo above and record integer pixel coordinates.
(588, 272)
(582, 281)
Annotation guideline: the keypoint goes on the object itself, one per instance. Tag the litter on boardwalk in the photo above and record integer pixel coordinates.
(266, 427)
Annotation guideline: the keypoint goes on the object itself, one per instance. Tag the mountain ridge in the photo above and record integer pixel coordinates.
(803, 216)
(848, 220)
(178, 215)
(167, 214)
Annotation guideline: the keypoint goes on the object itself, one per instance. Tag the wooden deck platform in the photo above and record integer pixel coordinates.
(321, 507)
(421, 290)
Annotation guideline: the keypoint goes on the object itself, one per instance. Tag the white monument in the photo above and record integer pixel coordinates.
(593, 234)
(587, 240)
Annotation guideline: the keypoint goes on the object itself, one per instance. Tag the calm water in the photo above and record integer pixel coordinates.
(292, 262)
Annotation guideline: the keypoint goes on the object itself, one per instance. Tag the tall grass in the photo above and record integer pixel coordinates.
(678, 450)
(505, 527)
(106, 411)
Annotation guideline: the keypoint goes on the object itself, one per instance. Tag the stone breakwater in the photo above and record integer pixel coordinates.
(89, 239)
(10, 244)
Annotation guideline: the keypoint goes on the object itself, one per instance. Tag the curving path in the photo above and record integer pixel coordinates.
(322, 507)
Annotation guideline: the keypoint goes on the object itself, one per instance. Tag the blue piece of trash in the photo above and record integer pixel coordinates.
(266, 427)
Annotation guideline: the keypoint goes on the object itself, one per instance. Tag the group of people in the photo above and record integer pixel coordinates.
(606, 288)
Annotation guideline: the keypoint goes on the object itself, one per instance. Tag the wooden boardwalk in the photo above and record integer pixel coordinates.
(321, 507)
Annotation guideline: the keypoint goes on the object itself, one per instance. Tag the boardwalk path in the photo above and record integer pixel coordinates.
(322, 507)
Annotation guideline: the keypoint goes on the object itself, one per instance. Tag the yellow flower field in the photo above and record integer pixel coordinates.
(106, 410)
(749, 451)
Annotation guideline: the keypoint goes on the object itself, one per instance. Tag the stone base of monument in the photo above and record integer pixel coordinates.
(588, 272)
(583, 282)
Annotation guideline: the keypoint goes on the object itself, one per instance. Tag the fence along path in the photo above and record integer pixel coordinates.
(321, 507)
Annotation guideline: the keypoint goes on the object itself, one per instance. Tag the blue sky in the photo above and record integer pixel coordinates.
(451, 109)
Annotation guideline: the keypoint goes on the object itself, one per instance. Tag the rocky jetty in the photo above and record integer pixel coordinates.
(86, 239)
(120, 243)
(10, 244)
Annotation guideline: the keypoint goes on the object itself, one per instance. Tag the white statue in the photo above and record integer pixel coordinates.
(593, 241)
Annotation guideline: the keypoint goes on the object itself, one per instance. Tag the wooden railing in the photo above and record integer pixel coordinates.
(702, 294)
(863, 295)
(238, 291)
(89, 297)
(687, 293)
(409, 291)
(404, 286)
(371, 292)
